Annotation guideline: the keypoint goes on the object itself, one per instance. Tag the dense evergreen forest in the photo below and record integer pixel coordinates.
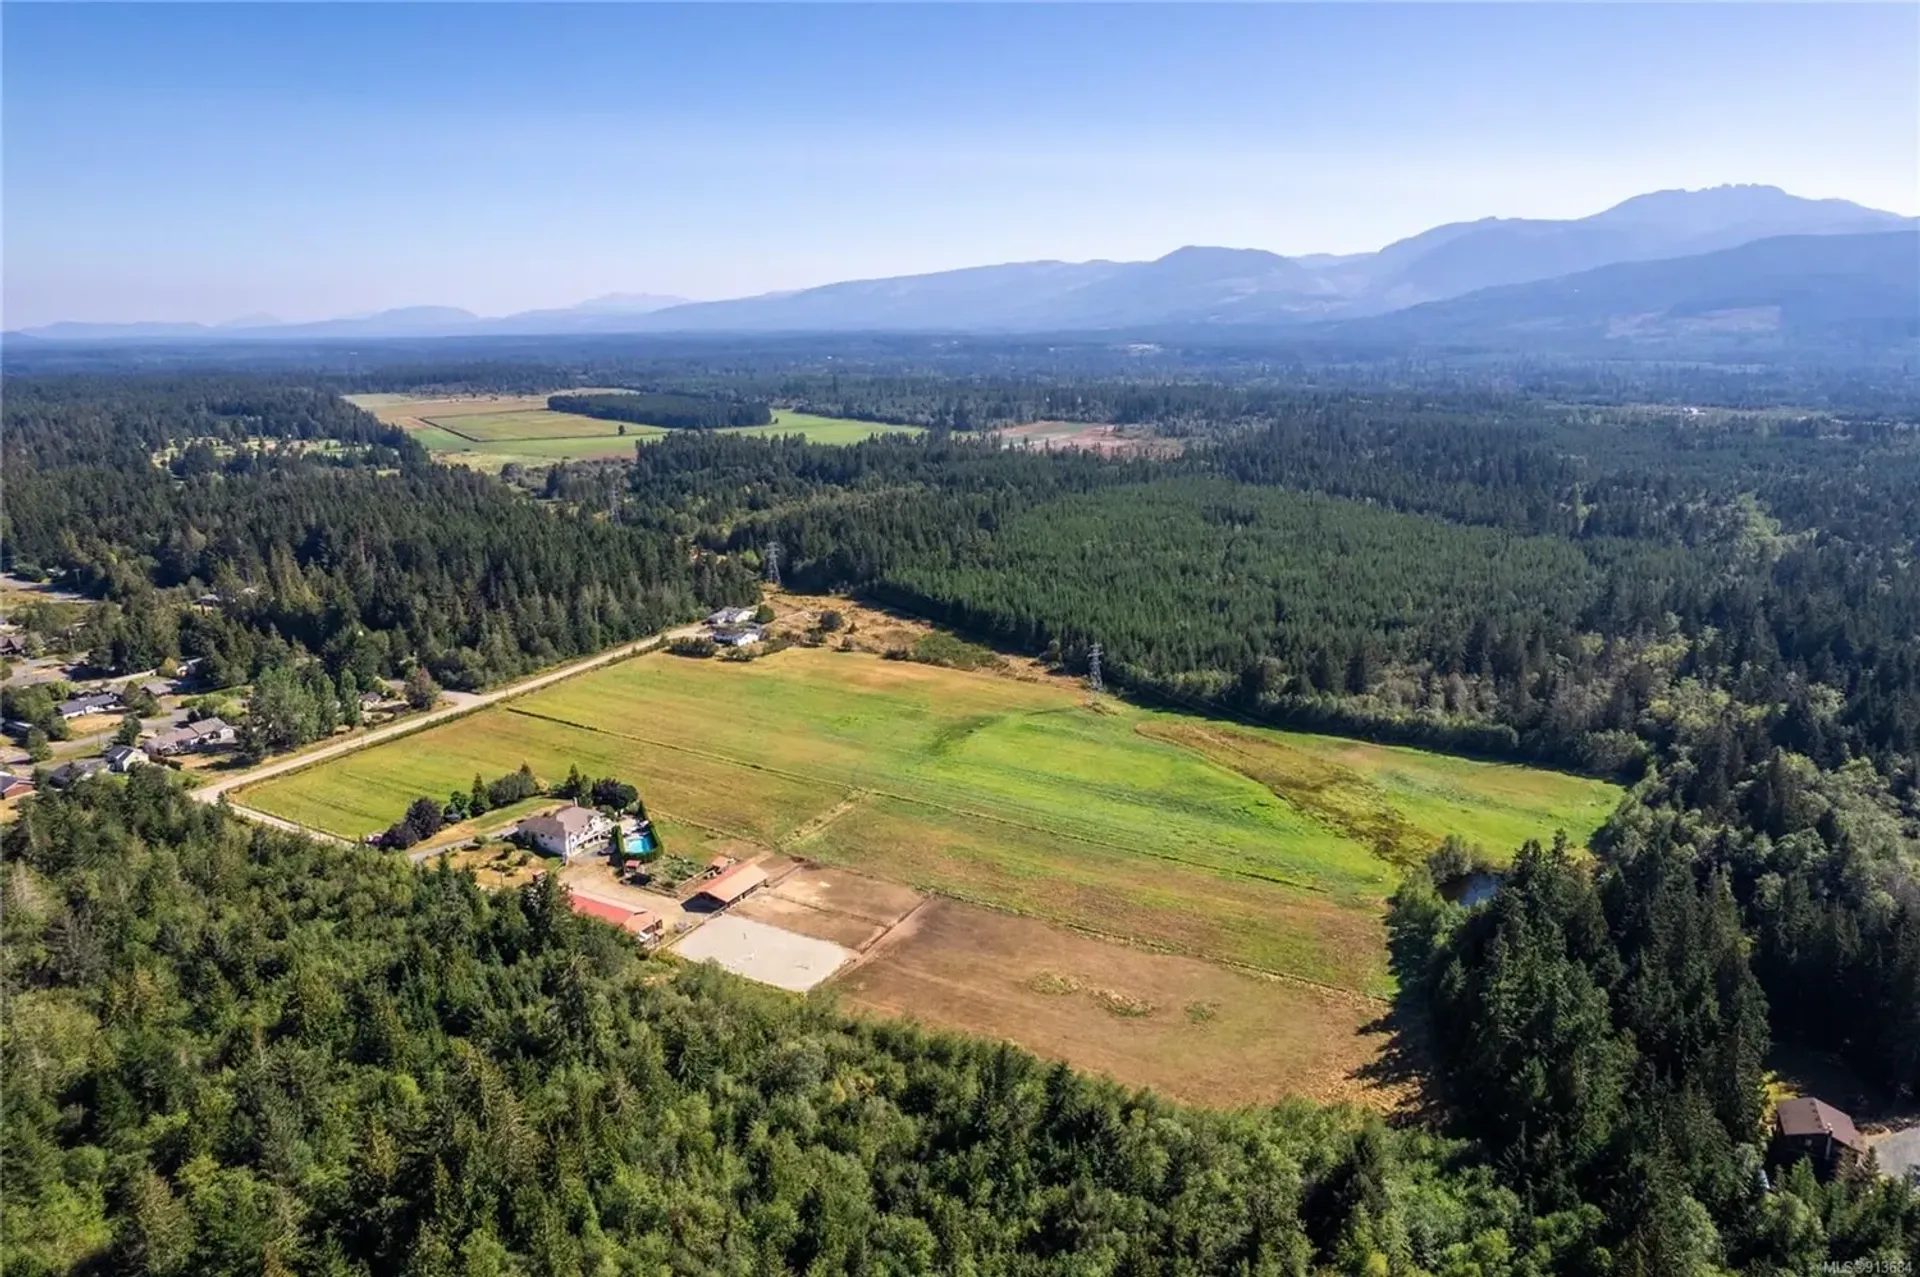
(675, 412)
(239, 1046)
(235, 1051)
(153, 493)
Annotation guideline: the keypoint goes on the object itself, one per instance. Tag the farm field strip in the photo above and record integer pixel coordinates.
(1065, 800)
(504, 427)
(1011, 794)
(817, 826)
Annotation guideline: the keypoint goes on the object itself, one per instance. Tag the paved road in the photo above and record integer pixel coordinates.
(461, 703)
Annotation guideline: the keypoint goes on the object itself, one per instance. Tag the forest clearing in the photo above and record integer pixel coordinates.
(1252, 847)
(491, 431)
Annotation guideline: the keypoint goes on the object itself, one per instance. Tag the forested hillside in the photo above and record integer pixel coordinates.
(234, 1051)
(151, 493)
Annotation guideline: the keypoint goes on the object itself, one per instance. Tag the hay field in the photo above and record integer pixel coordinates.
(485, 427)
(1194, 1030)
(1016, 795)
(488, 432)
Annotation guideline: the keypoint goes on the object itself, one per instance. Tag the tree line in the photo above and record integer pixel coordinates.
(675, 412)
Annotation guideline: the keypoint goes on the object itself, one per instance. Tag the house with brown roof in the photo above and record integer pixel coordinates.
(725, 888)
(565, 832)
(13, 785)
(1814, 1129)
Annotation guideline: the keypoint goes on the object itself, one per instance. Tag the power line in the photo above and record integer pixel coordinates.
(772, 555)
(1094, 682)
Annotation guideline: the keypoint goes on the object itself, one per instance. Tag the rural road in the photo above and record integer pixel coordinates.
(461, 703)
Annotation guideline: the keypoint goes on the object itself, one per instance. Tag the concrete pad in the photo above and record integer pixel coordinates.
(1898, 1152)
(771, 955)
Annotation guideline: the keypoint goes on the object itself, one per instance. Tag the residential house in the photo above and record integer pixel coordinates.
(565, 832)
(77, 770)
(12, 785)
(12, 645)
(208, 733)
(124, 758)
(175, 740)
(737, 638)
(93, 703)
(730, 885)
(1813, 1129)
(730, 616)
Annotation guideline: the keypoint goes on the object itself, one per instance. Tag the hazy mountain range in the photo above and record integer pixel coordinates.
(1672, 263)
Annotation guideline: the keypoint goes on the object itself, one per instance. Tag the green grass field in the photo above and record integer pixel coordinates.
(1270, 849)
(528, 452)
(487, 427)
(488, 440)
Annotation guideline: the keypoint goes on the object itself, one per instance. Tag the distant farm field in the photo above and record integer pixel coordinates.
(1270, 850)
(485, 427)
(488, 432)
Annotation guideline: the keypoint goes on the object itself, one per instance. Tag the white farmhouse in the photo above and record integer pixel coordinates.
(566, 831)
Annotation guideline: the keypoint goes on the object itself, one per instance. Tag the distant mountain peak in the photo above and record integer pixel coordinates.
(629, 303)
(1731, 204)
(1209, 254)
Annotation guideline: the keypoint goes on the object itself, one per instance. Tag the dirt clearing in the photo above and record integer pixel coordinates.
(1191, 1029)
(1081, 436)
(833, 905)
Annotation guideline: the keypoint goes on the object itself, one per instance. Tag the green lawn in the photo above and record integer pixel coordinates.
(1271, 849)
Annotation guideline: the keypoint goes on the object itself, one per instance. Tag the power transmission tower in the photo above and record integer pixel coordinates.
(1094, 683)
(772, 555)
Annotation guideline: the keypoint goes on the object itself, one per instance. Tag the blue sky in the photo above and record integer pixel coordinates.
(304, 161)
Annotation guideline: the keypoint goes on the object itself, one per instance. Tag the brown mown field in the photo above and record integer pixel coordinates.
(1188, 1028)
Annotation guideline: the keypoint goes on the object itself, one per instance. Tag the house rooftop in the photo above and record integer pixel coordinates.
(638, 921)
(601, 909)
(66, 773)
(1808, 1117)
(568, 822)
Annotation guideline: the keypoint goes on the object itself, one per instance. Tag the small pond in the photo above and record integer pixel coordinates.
(1472, 889)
